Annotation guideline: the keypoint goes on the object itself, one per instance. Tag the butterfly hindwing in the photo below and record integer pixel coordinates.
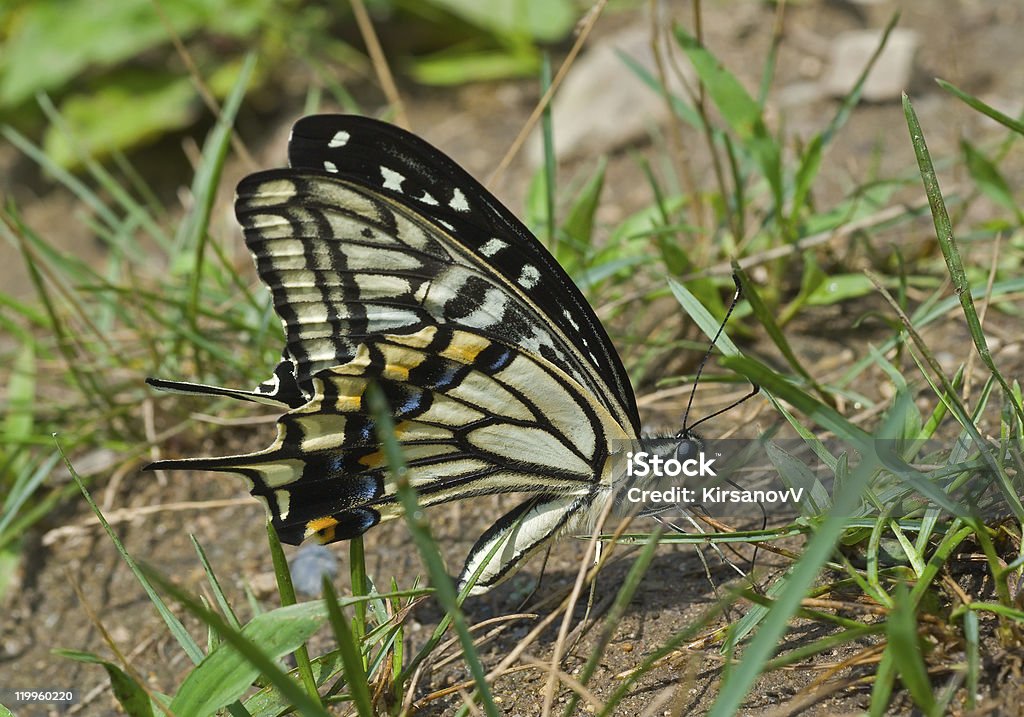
(473, 417)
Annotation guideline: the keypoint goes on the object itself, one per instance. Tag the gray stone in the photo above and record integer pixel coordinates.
(602, 105)
(888, 78)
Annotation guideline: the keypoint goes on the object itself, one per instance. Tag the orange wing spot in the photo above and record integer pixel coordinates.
(374, 460)
(349, 404)
(465, 347)
(396, 372)
(322, 529)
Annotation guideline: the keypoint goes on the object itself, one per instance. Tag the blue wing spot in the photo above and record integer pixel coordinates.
(367, 430)
(413, 402)
(447, 379)
(500, 361)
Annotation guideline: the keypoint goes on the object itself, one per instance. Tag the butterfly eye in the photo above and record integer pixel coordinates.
(686, 448)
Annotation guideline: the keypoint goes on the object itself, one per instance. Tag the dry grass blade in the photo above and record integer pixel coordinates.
(380, 62)
(563, 70)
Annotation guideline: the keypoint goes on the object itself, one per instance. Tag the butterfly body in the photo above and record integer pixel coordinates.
(389, 265)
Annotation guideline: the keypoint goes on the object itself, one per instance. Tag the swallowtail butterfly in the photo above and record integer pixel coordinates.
(389, 264)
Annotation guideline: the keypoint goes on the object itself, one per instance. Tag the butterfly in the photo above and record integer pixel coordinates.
(390, 265)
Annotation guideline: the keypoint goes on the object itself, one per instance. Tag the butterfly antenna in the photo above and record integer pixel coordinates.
(703, 362)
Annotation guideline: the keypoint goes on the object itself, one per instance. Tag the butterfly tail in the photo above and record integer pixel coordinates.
(280, 389)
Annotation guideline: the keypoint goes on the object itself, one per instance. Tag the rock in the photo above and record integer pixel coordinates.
(309, 565)
(890, 75)
(602, 104)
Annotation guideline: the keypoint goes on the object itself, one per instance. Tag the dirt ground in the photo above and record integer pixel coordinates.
(976, 45)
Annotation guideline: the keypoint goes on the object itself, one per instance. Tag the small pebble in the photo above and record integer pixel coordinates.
(309, 566)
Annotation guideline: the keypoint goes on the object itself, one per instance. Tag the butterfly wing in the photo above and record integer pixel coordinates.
(388, 263)
(405, 169)
(473, 416)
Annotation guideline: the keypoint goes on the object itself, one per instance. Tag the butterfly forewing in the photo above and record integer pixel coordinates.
(400, 165)
(345, 263)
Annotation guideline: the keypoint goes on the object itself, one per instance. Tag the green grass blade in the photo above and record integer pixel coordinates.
(906, 649)
(987, 110)
(802, 574)
(172, 622)
(287, 592)
(738, 108)
(215, 587)
(131, 695)
(227, 673)
(950, 252)
(193, 231)
(351, 653)
(707, 323)
(420, 530)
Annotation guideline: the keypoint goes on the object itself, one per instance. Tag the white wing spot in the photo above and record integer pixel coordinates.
(572, 322)
(392, 179)
(331, 167)
(427, 199)
(340, 139)
(593, 359)
(490, 312)
(458, 202)
(271, 386)
(446, 225)
(492, 247)
(529, 277)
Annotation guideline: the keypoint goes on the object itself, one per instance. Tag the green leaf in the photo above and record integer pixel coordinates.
(707, 323)
(88, 34)
(535, 206)
(132, 107)
(351, 654)
(129, 693)
(642, 224)
(454, 67)
(225, 674)
(987, 110)
(810, 163)
(21, 399)
(738, 108)
(796, 474)
(541, 20)
(955, 266)
(269, 702)
(811, 278)
(677, 261)
(838, 288)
